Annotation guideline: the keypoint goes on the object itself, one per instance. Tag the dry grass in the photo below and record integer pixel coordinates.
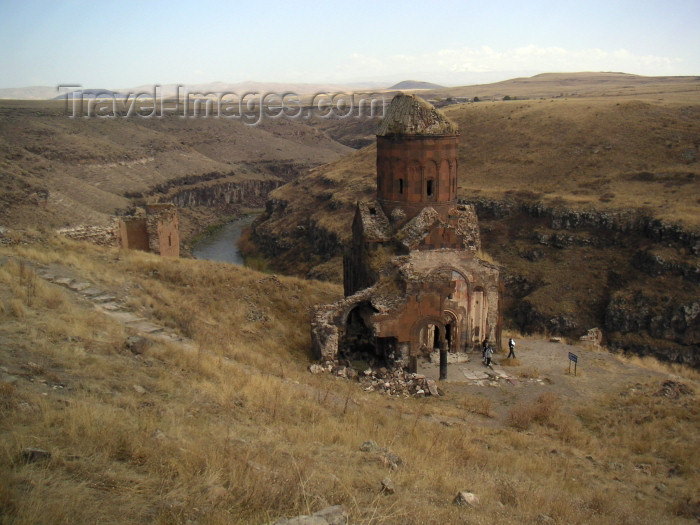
(541, 411)
(477, 405)
(237, 431)
(529, 373)
(650, 363)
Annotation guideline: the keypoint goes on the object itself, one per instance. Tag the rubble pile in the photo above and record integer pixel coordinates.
(394, 382)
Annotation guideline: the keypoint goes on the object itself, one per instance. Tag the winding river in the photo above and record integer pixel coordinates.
(221, 244)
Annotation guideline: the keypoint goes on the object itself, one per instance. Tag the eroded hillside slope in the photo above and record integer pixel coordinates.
(58, 170)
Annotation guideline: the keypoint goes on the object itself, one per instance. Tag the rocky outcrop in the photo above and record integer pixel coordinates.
(530, 320)
(655, 265)
(252, 193)
(657, 325)
(621, 221)
(313, 237)
(660, 317)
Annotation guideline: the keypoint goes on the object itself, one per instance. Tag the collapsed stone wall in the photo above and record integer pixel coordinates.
(107, 235)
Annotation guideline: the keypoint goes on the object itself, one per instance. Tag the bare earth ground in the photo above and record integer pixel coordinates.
(544, 367)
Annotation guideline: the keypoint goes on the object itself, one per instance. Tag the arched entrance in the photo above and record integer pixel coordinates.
(452, 331)
(457, 307)
(358, 339)
(423, 330)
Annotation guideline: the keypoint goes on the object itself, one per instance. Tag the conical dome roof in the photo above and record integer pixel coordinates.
(411, 115)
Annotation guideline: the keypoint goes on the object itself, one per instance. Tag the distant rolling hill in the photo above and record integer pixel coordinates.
(91, 93)
(584, 84)
(416, 84)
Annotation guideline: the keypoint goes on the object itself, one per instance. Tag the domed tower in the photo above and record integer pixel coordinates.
(416, 160)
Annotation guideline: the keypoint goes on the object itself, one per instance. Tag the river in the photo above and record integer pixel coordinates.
(221, 245)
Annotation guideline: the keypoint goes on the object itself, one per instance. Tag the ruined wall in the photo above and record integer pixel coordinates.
(133, 233)
(162, 225)
(479, 276)
(100, 235)
(416, 171)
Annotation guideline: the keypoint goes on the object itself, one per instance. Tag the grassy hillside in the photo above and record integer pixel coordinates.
(231, 428)
(90, 166)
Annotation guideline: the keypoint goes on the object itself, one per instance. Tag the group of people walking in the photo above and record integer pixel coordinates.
(487, 350)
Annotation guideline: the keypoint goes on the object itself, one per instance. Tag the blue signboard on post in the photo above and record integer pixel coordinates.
(574, 358)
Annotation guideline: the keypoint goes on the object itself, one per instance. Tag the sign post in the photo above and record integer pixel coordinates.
(574, 358)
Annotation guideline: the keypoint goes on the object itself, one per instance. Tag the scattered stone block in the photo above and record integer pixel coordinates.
(111, 307)
(432, 387)
(145, 327)
(334, 515)
(79, 287)
(104, 298)
(369, 446)
(388, 486)
(466, 499)
(92, 292)
(32, 455)
(137, 344)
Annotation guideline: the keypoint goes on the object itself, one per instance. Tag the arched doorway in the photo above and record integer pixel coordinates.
(358, 340)
(457, 308)
(428, 331)
(452, 331)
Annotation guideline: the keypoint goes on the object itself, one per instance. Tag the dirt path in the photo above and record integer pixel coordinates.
(544, 367)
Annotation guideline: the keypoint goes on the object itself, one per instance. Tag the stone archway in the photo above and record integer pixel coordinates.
(458, 304)
(358, 336)
(417, 331)
(452, 331)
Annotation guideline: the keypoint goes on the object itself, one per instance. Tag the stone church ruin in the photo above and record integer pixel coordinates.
(414, 278)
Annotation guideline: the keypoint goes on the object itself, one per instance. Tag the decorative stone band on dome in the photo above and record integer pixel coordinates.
(411, 115)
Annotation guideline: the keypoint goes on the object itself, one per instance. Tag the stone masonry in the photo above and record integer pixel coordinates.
(156, 232)
(414, 277)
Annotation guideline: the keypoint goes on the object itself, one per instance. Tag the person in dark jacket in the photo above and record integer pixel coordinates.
(511, 347)
(488, 355)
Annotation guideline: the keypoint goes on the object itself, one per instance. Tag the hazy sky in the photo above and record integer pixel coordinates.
(128, 43)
